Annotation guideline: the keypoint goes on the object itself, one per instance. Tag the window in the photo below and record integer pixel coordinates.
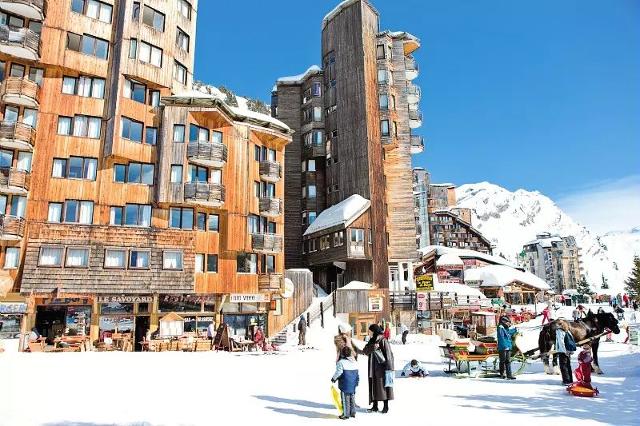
(24, 161)
(75, 168)
(139, 259)
(311, 191)
(383, 101)
(201, 221)
(181, 218)
(154, 98)
(357, 236)
(172, 260)
(81, 126)
(317, 113)
(325, 242)
(93, 9)
(309, 166)
(153, 18)
(384, 128)
(212, 263)
(77, 257)
(151, 136)
(59, 168)
(312, 217)
(55, 212)
(316, 89)
(131, 129)
(197, 174)
(198, 134)
(182, 40)
(184, 8)
(338, 239)
(247, 263)
(119, 173)
(180, 72)
(253, 224)
(88, 45)
(35, 75)
(135, 16)
(133, 48)
(214, 223)
(312, 245)
(147, 53)
(134, 173)
(178, 133)
(11, 257)
(18, 206)
(267, 264)
(88, 87)
(51, 256)
(137, 215)
(115, 258)
(30, 117)
(176, 173)
(135, 91)
(380, 51)
(75, 211)
(199, 267)
(382, 76)
(115, 215)
(257, 192)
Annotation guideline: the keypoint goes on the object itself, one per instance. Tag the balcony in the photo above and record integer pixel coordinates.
(266, 243)
(14, 135)
(417, 144)
(204, 194)
(270, 171)
(11, 227)
(20, 91)
(315, 150)
(270, 207)
(415, 119)
(356, 250)
(411, 68)
(32, 9)
(270, 282)
(207, 154)
(14, 181)
(19, 42)
(413, 93)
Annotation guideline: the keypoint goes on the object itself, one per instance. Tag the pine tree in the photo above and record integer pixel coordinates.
(583, 287)
(605, 283)
(632, 284)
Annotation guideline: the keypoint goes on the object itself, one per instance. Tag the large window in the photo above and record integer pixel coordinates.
(151, 136)
(131, 129)
(115, 258)
(134, 173)
(153, 18)
(383, 102)
(184, 8)
(357, 236)
(77, 257)
(212, 263)
(87, 87)
(71, 211)
(198, 134)
(51, 256)
(247, 263)
(135, 91)
(172, 260)
(181, 218)
(81, 126)
(176, 173)
(180, 72)
(93, 9)
(75, 168)
(214, 223)
(145, 52)
(139, 259)
(87, 44)
(11, 257)
(267, 264)
(182, 40)
(137, 215)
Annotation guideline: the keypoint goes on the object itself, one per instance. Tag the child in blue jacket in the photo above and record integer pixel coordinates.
(348, 378)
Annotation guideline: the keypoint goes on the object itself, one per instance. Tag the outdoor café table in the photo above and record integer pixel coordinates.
(246, 345)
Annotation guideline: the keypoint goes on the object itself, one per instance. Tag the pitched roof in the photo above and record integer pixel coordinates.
(501, 276)
(343, 213)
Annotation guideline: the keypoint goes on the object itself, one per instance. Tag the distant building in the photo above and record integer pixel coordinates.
(448, 228)
(555, 259)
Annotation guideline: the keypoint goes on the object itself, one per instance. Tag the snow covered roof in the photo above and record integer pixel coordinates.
(501, 276)
(217, 98)
(357, 285)
(449, 259)
(459, 289)
(336, 10)
(297, 79)
(343, 213)
(464, 254)
(545, 242)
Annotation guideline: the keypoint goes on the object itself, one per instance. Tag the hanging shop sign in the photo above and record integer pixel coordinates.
(125, 299)
(375, 304)
(13, 308)
(424, 282)
(249, 298)
(67, 301)
(423, 301)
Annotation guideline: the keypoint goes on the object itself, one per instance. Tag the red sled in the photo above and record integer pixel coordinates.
(580, 389)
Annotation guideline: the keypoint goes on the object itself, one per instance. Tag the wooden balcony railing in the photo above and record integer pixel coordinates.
(11, 227)
(266, 243)
(270, 171)
(21, 42)
(208, 194)
(17, 135)
(270, 282)
(315, 150)
(32, 9)
(12, 178)
(209, 154)
(20, 90)
(270, 206)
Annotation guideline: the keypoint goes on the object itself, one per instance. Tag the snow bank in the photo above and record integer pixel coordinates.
(357, 285)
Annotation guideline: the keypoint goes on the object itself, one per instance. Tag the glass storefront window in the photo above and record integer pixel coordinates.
(167, 304)
(10, 326)
(116, 308)
(78, 320)
(115, 324)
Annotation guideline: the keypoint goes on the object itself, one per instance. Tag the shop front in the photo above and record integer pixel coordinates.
(57, 317)
(198, 311)
(245, 312)
(12, 316)
(124, 320)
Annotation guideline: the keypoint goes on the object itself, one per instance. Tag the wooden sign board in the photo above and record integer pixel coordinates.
(376, 304)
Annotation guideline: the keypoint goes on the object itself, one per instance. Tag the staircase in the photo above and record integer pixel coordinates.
(313, 313)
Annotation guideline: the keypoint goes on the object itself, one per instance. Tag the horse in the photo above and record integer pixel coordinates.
(588, 327)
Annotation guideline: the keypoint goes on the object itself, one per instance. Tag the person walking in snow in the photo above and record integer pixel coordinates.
(348, 378)
(387, 331)
(625, 300)
(380, 368)
(302, 331)
(565, 346)
(546, 315)
(405, 332)
(505, 344)
(414, 369)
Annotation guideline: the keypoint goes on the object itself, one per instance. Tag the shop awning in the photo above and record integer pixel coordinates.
(6, 284)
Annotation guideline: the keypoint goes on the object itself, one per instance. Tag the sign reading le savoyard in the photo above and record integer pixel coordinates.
(125, 299)
(424, 282)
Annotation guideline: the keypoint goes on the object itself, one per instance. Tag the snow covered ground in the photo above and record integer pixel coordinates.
(288, 388)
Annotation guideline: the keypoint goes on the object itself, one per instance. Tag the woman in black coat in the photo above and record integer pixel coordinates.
(377, 389)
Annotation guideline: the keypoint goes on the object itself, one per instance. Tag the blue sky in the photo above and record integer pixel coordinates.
(542, 95)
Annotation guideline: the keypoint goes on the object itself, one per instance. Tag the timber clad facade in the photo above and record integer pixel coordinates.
(117, 179)
(354, 117)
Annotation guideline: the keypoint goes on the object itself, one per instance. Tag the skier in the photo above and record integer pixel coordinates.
(302, 331)
(505, 332)
(348, 378)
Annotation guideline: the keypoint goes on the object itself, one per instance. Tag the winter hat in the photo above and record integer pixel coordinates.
(505, 320)
(376, 329)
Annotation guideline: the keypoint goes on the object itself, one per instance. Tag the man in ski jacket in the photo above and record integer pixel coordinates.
(505, 333)
(302, 331)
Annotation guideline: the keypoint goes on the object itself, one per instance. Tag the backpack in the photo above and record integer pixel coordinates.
(569, 342)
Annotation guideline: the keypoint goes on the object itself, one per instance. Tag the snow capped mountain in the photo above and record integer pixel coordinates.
(511, 219)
